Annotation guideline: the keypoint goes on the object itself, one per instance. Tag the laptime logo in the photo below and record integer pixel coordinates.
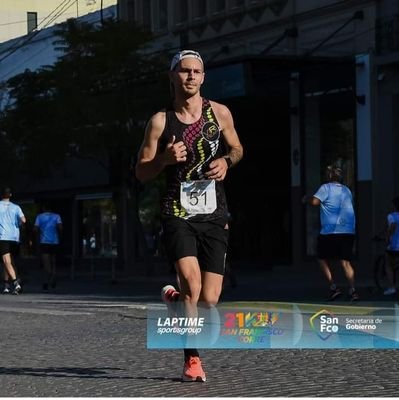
(324, 324)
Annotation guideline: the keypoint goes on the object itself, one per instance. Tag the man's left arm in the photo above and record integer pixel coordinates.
(218, 168)
(21, 217)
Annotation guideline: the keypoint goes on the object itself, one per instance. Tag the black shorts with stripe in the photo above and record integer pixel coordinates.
(205, 240)
(338, 246)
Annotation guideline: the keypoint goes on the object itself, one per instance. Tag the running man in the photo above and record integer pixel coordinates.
(11, 218)
(48, 228)
(185, 140)
(337, 234)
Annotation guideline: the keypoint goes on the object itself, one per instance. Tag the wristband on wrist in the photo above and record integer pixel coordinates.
(228, 161)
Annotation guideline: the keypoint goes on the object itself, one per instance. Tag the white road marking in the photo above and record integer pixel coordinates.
(41, 311)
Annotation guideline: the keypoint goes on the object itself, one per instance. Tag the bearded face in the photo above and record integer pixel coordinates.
(187, 77)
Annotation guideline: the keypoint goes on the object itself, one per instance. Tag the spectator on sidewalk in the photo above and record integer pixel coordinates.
(48, 228)
(11, 218)
(337, 234)
(392, 250)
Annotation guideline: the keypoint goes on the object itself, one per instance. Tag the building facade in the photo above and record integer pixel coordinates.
(21, 17)
(317, 81)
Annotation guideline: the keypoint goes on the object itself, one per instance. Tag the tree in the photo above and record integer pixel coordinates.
(93, 103)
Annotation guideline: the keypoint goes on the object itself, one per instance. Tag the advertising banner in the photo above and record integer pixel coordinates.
(274, 325)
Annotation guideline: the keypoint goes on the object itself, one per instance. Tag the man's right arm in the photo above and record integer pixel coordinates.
(150, 162)
(311, 200)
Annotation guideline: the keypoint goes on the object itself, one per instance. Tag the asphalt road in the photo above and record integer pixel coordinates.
(94, 345)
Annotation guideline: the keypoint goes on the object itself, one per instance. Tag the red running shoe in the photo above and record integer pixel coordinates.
(192, 371)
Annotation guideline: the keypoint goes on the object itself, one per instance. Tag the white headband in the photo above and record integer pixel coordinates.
(182, 55)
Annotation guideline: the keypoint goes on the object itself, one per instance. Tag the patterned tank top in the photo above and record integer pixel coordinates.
(204, 143)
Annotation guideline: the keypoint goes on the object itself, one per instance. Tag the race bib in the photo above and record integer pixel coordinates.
(198, 197)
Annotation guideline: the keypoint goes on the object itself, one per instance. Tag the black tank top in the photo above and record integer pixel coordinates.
(204, 142)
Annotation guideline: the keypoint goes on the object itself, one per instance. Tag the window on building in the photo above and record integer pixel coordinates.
(150, 218)
(181, 11)
(32, 21)
(131, 10)
(162, 14)
(147, 14)
(218, 6)
(237, 3)
(199, 8)
(98, 228)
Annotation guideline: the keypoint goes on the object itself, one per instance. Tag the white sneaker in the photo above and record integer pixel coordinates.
(389, 291)
(17, 289)
(170, 297)
(169, 294)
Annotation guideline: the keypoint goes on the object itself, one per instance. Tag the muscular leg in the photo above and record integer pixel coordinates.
(349, 272)
(9, 269)
(189, 278)
(211, 288)
(325, 269)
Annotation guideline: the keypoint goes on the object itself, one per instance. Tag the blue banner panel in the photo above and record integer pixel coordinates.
(274, 325)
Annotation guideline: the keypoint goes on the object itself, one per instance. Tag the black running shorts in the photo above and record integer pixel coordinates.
(205, 240)
(338, 246)
(8, 246)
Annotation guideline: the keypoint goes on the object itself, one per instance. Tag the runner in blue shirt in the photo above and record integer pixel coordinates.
(11, 217)
(337, 234)
(48, 227)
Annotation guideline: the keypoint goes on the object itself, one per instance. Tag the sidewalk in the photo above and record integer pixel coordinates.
(280, 283)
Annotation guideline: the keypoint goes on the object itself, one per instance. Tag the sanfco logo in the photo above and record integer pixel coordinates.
(324, 324)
